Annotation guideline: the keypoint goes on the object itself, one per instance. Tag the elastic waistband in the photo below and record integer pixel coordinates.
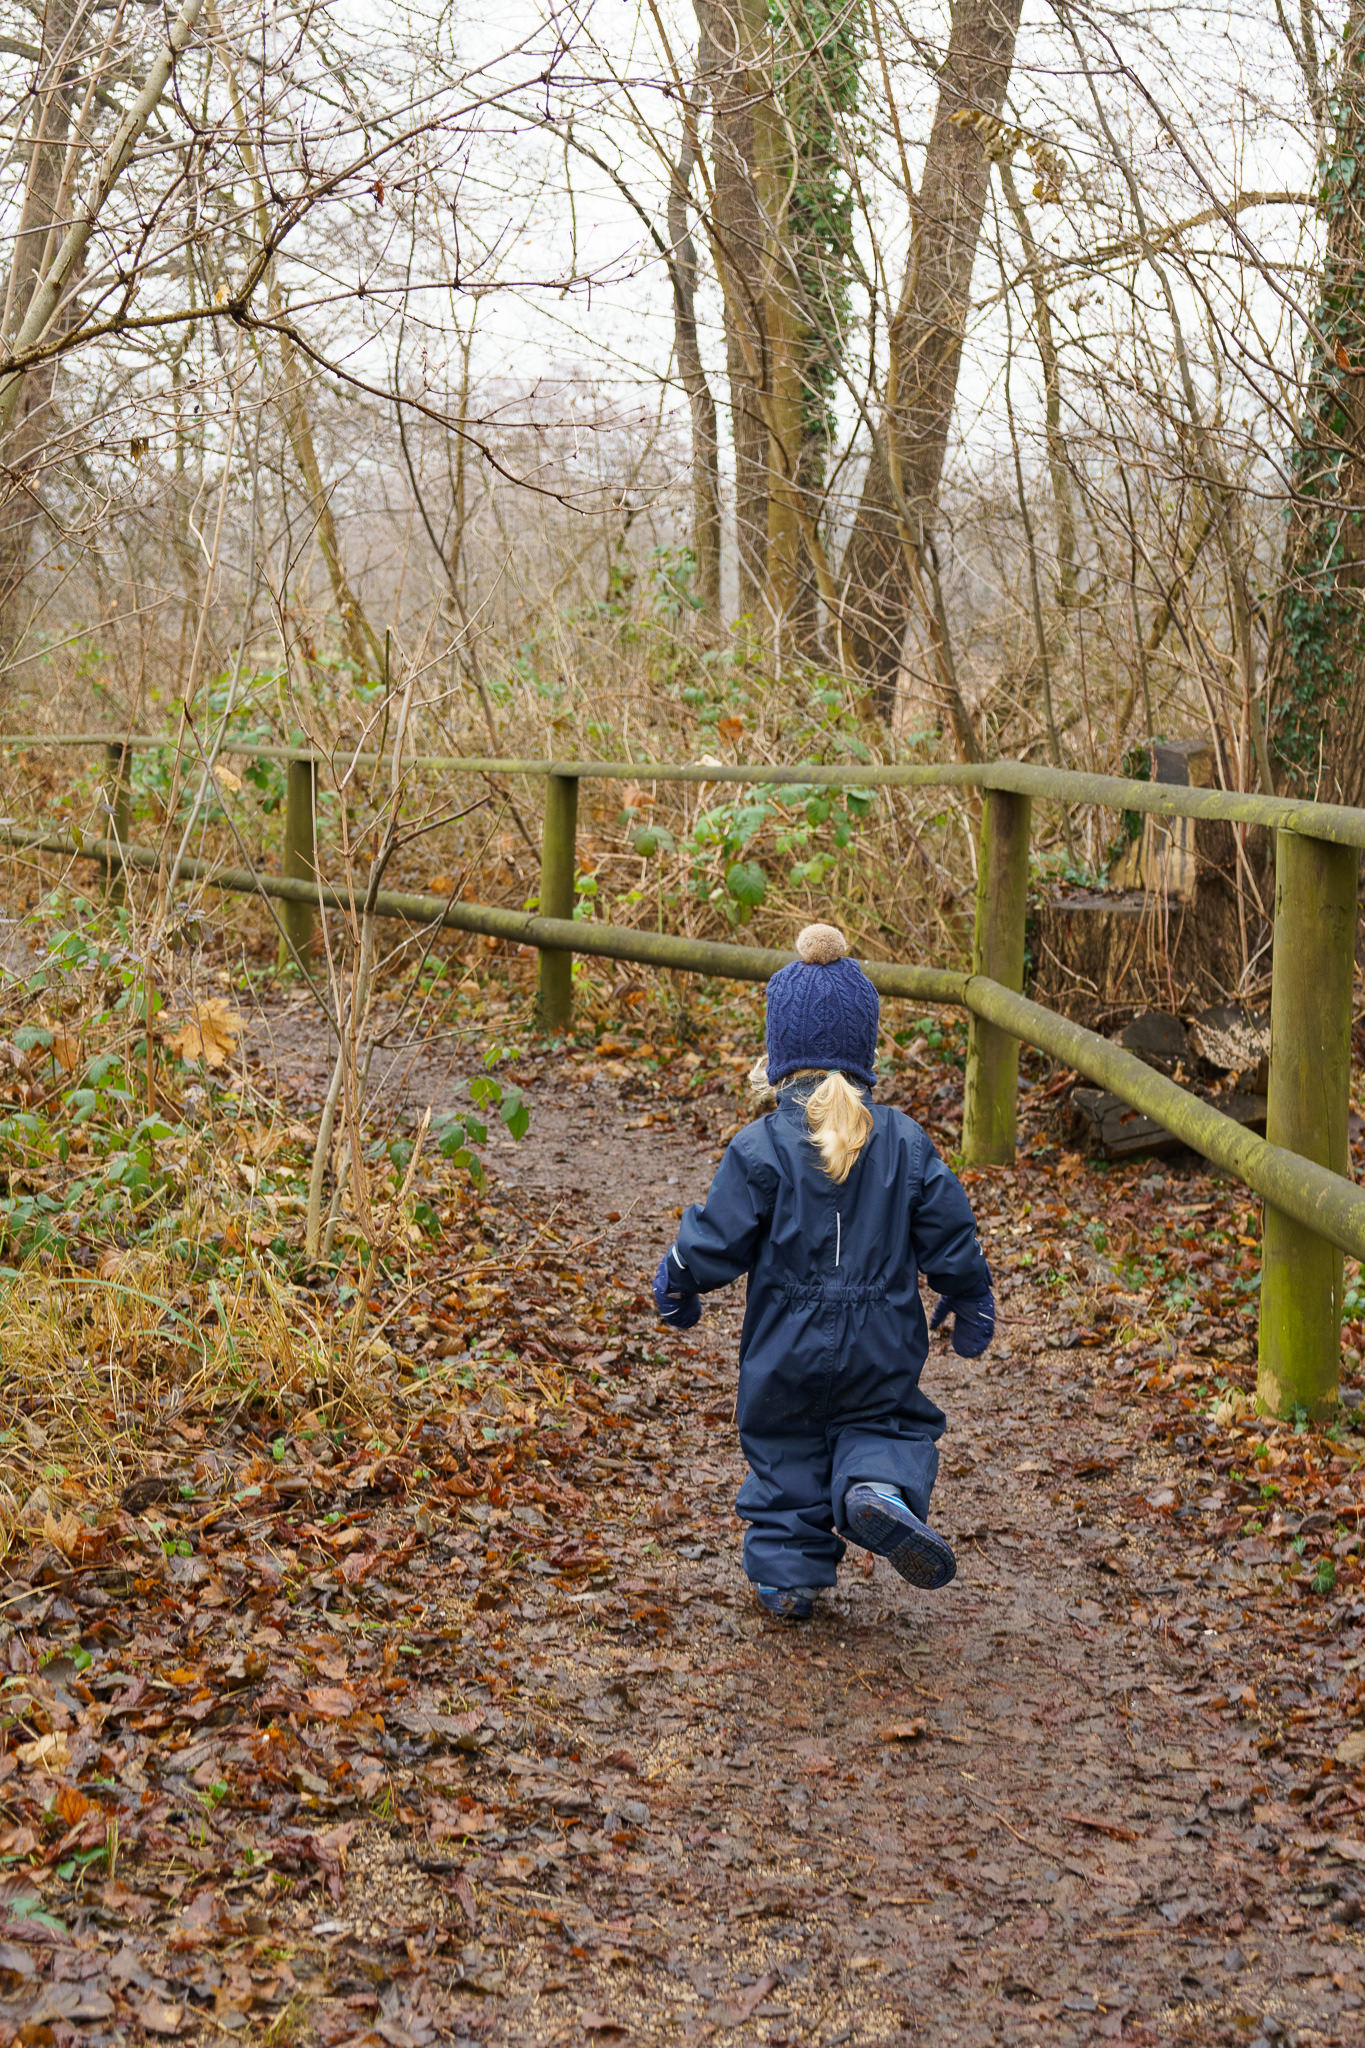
(816, 1290)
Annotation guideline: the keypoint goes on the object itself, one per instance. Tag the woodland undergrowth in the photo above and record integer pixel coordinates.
(159, 1303)
(640, 676)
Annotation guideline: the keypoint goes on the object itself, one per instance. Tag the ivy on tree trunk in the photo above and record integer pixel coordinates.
(1317, 665)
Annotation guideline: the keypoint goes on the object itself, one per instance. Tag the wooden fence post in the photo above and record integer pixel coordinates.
(1313, 969)
(991, 1096)
(300, 855)
(558, 872)
(118, 758)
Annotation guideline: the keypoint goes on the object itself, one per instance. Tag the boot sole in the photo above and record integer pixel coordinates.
(909, 1546)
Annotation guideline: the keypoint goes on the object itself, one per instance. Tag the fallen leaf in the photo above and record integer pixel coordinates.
(331, 1702)
(52, 1751)
(72, 1804)
(209, 1035)
(71, 1536)
(734, 2012)
(448, 1821)
(149, 1489)
(66, 1050)
(158, 2016)
(1099, 1827)
(905, 1731)
(1352, 1750)
(599, 2023)
(817, 1763)
(461, 1731)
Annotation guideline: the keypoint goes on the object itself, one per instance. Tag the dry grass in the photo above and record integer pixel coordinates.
(104, 1371)
(632, 683)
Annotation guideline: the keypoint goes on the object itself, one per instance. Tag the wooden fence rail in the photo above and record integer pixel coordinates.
(1314, 1212)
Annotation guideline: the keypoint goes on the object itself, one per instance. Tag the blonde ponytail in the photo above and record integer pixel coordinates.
(839, 1119)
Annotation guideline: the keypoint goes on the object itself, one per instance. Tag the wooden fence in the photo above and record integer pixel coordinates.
(1313, 1211)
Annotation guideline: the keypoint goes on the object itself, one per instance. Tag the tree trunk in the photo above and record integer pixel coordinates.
(705, 441)
(1058, 461)
(362, 646)
(358, 636)
(783, 392)
(1317, 656)
(54, 99)
(900, 492)
(808, 209)
(732, 34)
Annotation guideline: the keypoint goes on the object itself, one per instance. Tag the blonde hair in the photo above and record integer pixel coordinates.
(839, 1119)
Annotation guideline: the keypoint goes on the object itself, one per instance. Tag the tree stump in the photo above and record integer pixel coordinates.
(1175, 925)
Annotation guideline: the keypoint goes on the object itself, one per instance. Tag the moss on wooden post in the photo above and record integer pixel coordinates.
(558, 872)
(118, 756)
(300, 856)
(1310, 1075)
(989, 1106)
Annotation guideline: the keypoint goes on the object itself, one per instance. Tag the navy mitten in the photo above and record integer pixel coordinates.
(973, 1322)
(675, 1297)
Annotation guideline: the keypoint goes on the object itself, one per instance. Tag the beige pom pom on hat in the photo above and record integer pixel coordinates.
(818, 944)
(822, 1010)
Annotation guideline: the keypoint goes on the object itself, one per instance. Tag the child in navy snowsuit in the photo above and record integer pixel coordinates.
(833, 1206)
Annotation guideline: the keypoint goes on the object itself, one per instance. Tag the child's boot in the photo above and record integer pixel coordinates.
(877, 1516)
(788, 1603)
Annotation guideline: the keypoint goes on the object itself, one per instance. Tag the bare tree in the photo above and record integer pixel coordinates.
(889, 564)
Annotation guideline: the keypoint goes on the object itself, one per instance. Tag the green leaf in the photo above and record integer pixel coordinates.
(516, 1116)
(32, 1909)
(747, 883)
(155, 1130)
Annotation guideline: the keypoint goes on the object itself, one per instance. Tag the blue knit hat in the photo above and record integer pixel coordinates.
(822, 1011)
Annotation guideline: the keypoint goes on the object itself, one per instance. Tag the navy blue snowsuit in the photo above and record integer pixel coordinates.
(834, 1335)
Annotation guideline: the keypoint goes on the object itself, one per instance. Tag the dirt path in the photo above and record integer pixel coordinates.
(1017, 1810)
(546, 1776)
